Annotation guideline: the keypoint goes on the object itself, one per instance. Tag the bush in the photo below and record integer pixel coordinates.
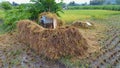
(12, 16)
(6, 5)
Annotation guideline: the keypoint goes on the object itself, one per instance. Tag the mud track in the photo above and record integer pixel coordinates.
(110, 52)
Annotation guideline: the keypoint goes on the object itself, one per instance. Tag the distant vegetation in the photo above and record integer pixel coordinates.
(100, 7)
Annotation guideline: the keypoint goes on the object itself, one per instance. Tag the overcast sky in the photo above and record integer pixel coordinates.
(66, 1)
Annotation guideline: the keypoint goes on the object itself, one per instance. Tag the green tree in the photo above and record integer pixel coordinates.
(118, 1)
(48, 6)
(6, 5)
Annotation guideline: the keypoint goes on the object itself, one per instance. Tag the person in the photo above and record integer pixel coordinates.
(48, 22)
(42, 21)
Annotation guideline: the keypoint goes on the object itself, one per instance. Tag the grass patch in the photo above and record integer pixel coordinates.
(71, 15)
(2, 14)
(74, 63)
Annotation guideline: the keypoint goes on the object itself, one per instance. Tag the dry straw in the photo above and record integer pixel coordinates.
(82, 24)
(52, 43)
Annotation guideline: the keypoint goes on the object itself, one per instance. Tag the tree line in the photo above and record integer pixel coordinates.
(104, 2)
(96, 2)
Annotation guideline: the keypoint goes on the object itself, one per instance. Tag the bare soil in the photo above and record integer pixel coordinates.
(110, 52)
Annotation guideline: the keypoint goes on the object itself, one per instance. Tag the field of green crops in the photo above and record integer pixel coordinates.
(102, 15)
(100, 7)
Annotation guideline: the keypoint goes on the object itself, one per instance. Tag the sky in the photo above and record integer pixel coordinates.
(66, 1)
